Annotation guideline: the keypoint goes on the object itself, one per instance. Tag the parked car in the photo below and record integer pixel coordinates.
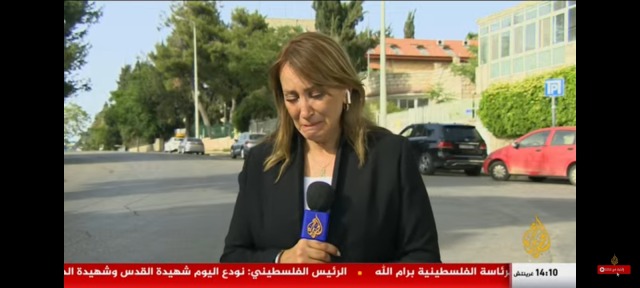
(244, 143)
(446, 146)
(191, 145)
(172, 144)
(547, 152)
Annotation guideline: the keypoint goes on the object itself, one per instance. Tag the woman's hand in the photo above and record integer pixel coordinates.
(309, 251)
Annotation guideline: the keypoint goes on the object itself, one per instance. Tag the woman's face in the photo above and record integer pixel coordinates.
(315, 111)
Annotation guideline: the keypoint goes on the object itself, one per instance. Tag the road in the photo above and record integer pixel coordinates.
(168, 208)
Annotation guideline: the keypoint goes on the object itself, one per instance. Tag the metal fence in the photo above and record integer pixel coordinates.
(263, 126)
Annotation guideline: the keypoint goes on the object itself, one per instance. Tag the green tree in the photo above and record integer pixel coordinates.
(75, 121)
(252, 49)
(437, 94)
(409, 26)
(104, 132)
(468, 69)
(257, 106)
(174, 59)
(339, 20)
(140, 93)
(78, 16)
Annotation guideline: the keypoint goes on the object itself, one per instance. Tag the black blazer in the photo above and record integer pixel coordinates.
(381, 211)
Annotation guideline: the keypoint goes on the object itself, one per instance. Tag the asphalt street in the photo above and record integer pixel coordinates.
(170, 208)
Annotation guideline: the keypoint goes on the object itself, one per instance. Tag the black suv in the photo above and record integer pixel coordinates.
(447, 146)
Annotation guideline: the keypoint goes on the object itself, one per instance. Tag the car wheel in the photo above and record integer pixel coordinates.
(473, 171)
(233, 155)
(537, 178)
(425, 165)
(242, 153)
(498, 171)
(572, 174)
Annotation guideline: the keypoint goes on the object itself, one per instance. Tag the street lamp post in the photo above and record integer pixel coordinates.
(195, 76)
(382, 121)
(195, 80)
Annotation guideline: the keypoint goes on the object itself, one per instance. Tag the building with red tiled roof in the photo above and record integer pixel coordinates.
(416, 66)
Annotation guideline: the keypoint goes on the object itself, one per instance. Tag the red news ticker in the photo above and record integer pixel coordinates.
(287, 275)
(614, 269)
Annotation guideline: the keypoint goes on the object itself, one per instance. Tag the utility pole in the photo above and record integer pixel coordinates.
(382, 121)
(195, 77)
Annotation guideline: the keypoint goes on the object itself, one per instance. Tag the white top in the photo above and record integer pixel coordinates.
(308, 181)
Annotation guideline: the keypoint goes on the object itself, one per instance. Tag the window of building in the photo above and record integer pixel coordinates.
(423, 51)
(518, 18)
(495, 70)
(495, 46)
(558, 28)
(545, 32)
(532, 13)
(530, 37)
(484, 30)
(572, 24)
(406, 103)
(495, 26)
(448, 50)
(531, 62)
(544, 9)
(557, 5)
(506, 22)
(484, 50)
(423, 102)
(518, 65)
(505, 68)
(572, 3)
(505, 44)
(558, 55)
(544, 58)
(395, 49)
(518, 40)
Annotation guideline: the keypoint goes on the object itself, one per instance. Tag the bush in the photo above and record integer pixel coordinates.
(510, 110)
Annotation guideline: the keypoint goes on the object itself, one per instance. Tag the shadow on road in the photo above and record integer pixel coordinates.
(220, 182)
(185, 234)
(117, 157)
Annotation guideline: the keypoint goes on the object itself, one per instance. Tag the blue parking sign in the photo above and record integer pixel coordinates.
(554, 88)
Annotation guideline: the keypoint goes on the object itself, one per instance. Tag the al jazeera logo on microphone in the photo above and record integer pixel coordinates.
(315, 222)
(314, 228)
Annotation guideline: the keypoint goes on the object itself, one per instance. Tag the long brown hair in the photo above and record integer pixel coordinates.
(320, 60)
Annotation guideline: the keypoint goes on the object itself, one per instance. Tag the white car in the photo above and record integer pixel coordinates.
(172, 144)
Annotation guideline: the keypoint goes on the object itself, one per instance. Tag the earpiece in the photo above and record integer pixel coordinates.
(348, 96)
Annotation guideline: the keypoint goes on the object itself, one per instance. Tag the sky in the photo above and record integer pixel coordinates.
(129, 30)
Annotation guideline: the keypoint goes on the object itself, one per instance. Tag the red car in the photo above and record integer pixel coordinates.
(547, 152)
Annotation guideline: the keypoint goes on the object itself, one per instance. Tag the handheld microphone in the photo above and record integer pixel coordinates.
(315, 223)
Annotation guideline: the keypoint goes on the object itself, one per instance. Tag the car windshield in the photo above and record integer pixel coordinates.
(256, 136)
(461, 133)
(194, 140)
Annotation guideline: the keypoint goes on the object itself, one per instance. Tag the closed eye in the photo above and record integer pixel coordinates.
(317, 95)
(291, 98)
